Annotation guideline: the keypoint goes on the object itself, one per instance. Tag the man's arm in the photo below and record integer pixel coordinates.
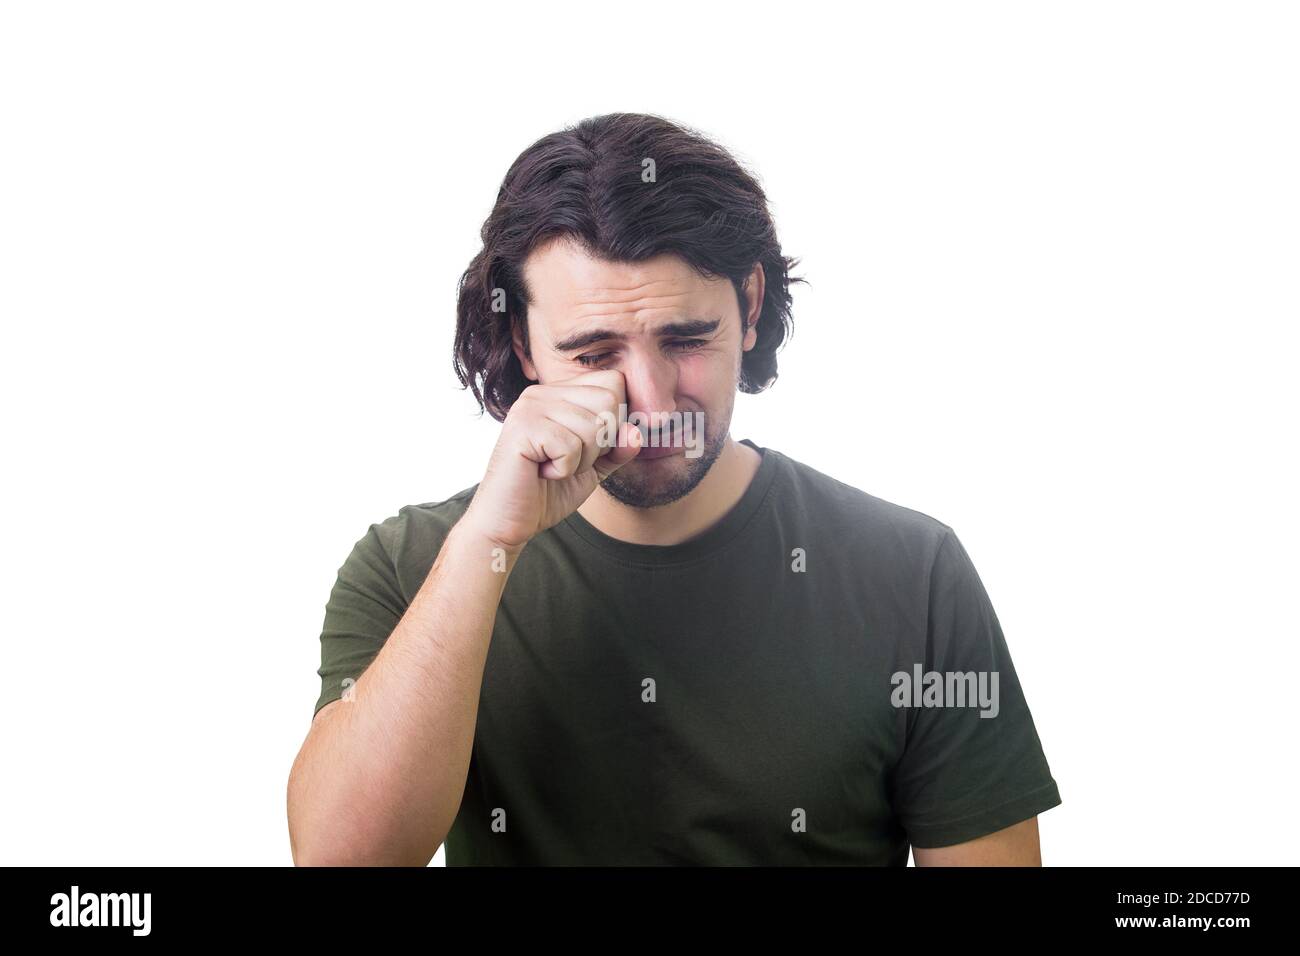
(1014, 846)
(380, 777)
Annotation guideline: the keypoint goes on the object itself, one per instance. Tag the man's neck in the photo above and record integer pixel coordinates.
(716, 494)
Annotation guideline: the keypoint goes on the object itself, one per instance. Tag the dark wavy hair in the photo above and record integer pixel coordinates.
(585, 183)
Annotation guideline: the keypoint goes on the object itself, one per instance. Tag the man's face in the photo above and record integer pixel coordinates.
(676, 337)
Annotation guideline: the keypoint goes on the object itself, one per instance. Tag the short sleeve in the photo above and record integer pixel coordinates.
(364, 607)
(969, 770)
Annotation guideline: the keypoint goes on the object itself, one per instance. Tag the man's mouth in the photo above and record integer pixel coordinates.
(652, 452)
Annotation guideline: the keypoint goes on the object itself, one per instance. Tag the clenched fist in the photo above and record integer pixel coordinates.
(547, 460)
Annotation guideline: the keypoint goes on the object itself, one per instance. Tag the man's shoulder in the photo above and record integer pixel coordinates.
(448, 509)
(848, 512)
(415, 526)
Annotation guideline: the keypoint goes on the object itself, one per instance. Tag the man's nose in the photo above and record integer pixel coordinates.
(651, 380)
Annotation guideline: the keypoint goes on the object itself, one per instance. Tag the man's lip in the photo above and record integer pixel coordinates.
(662, 451)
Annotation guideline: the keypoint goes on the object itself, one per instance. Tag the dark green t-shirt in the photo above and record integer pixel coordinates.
(728, 700)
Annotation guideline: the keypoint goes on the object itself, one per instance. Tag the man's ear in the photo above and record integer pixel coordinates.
(521, 352)
(754, 288)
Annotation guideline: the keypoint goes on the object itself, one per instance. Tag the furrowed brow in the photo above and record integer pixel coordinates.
(690, 327)
(683, 329)
(580, 340)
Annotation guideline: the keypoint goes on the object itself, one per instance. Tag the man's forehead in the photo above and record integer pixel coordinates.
(567, 286)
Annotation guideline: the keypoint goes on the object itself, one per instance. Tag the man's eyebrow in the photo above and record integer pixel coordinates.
(683, 329)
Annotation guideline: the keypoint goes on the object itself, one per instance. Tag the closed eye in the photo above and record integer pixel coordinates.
(688, 345)
(682, 345)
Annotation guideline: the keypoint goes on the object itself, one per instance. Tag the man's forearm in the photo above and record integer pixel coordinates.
(380, 777)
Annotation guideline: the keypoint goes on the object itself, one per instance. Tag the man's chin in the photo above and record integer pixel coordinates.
(660, 478)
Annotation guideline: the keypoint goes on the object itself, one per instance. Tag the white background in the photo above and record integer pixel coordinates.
(1054, 254)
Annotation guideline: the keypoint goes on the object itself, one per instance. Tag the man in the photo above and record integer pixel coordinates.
(636, 641)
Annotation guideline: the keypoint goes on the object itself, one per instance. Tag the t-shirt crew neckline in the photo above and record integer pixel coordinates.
(702, 545)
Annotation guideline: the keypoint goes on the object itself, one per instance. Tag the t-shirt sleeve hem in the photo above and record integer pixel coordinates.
(326, 698)
(947, 833)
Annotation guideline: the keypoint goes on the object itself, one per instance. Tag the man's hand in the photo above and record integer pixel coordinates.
(547, 461)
